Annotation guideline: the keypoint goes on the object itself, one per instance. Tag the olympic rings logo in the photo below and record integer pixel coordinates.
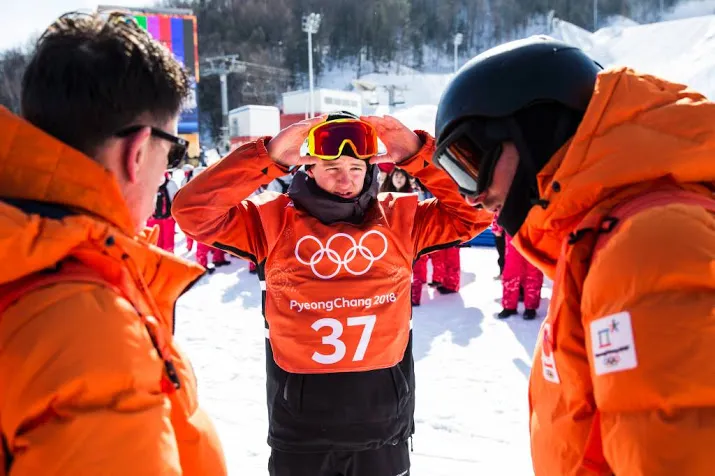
(341, 261)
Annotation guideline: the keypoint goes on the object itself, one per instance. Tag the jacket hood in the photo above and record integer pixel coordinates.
(637, 129)
(36, 166)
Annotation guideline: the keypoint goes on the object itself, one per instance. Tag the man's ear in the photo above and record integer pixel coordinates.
(309, 171)
(134, 154)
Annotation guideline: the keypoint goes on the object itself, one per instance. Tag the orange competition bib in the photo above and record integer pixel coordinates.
(338, 297)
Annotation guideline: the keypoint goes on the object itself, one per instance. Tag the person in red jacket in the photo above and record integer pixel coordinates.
(334, 260)
(519, 277)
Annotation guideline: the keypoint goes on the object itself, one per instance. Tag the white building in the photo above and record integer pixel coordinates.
(324, 102)
(248, 123)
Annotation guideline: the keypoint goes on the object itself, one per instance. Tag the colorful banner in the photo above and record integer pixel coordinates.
(179, 34)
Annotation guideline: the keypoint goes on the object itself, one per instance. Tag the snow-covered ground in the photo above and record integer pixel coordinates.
(472, 370)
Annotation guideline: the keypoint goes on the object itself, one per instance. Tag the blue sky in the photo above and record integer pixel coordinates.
(21, 19)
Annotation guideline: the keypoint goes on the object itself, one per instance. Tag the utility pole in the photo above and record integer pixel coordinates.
(457, 41)
(311, 24)
(222, 66)
(595, 15)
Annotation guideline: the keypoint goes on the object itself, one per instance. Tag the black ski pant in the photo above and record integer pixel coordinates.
(386, 461)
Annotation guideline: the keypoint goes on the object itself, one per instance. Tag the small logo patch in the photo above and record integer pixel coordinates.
(548, 365)
(612, 344)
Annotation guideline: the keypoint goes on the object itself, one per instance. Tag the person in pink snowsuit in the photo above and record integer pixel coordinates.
(419, 278)
(446, 264)
(518, 272)
(162, 214)
(446, 269)
(218, 257)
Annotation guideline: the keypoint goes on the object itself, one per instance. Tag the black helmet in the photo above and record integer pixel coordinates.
(515, 75)
(335, 115)
(532, 92)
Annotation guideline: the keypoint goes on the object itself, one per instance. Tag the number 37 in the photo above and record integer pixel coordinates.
(334, 338)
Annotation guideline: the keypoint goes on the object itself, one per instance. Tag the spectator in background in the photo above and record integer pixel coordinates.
(518, 274)
(446, 269)
(162, 213)
(383, 171)
(188, 173)
(218, 257)
(446, 264)
(399, 181)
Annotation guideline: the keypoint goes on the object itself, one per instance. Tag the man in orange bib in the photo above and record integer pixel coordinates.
(334, 260)
(605, 180)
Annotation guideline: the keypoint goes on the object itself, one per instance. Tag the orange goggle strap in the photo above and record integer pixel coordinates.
(311, 141)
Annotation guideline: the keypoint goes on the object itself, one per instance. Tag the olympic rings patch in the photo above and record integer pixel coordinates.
(326, 254)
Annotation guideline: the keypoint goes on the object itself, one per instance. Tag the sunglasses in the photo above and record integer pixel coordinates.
(462, 155)
(327, 140)
(179, 146)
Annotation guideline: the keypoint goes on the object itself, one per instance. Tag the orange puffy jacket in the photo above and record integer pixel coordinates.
(622, 380)
(80, 379)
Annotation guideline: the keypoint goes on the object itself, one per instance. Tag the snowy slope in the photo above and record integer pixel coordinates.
(418, 117)
(419, 89)
(678, 50)
(472, 371)
(584, 39)
(689, 9)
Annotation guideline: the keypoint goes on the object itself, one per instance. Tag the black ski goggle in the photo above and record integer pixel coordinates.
(462, 156)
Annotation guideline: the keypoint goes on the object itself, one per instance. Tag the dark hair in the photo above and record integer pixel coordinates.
(92, 75)
(388, 186)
